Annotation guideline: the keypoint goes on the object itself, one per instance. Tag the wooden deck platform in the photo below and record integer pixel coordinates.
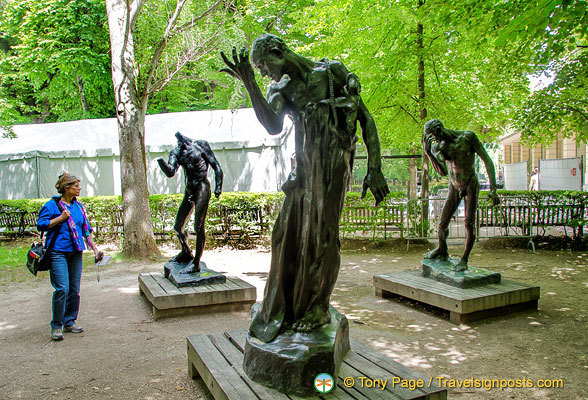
(464, 305)
(167, 300)
(218, 359)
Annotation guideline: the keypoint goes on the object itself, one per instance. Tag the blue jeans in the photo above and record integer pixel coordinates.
(66, 276)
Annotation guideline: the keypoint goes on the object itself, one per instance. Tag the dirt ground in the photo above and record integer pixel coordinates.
(124, 354)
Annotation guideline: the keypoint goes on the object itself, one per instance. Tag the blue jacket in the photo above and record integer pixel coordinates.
(64, 241)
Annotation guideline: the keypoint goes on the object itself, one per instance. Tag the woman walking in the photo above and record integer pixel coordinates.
(65, 217)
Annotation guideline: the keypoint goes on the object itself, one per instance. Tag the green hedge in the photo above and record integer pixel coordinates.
(225, 214)
(241, 215)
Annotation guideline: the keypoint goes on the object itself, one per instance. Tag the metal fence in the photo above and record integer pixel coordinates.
(418, 219)
(397, 218)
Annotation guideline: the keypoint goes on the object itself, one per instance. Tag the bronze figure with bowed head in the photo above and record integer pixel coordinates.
(323, 99)
(453, 153)
(194, 156)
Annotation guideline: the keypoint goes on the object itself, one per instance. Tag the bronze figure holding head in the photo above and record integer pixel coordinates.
(452, 153)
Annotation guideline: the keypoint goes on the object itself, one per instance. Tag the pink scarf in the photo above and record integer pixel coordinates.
(72, 225)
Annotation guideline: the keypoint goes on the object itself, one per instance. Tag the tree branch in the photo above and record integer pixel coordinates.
(410, 115)
(192, 55)
(168, 34)
(134, 10)
(576, 110)
(194, 21)
(270, 25)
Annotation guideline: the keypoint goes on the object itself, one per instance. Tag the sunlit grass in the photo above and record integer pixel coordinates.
(13, 257)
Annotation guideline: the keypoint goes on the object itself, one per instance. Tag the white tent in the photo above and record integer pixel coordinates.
(251, 159)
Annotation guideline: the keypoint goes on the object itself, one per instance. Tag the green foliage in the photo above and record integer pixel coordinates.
(544, 37)
(56, 54)
(477, 56)
(230, 216)
(27, 205)
(559, 107)
(187, 76)
(468, 86)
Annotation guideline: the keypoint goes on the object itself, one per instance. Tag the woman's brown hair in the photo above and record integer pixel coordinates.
(64, 181)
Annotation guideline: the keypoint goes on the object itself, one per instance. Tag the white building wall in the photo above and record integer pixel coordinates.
(560, 174)
(515, 176)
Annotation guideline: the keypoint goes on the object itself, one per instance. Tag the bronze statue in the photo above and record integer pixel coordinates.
(453, 153)
(323, 99)
(194, 156)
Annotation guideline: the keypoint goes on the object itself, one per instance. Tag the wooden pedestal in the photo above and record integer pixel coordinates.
(464, 305)
(168, 300)
(218, 360)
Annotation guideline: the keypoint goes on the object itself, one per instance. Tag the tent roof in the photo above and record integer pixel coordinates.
(226, 129)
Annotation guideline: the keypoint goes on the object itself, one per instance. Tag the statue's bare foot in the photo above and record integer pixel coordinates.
(190, 268)
(312, 319)
(437, 254)
(460, 266)
(182, 257)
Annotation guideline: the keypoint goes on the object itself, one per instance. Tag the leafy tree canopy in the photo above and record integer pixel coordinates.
(55, 58)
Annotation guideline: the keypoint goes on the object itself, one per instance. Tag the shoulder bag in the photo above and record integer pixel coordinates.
(38, 257)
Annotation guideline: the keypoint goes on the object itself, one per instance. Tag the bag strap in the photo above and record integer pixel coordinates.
(55, 228)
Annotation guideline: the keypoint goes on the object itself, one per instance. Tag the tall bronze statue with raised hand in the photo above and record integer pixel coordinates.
(323, 98)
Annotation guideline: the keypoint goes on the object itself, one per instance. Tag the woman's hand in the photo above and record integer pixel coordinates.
(64, 215)
(98, 255)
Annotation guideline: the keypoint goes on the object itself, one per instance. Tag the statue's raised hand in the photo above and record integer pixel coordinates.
(376, 182)
(240, 67)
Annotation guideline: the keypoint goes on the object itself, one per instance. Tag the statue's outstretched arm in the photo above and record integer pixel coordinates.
(212, 161)
(481, 152)
(170, 167)
(374, 179)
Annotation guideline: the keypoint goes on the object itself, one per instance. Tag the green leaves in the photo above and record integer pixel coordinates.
(561, 106)
(57, 57)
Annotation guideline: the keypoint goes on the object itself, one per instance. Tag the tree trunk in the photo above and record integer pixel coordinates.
(83, 100)
(138, 229)
(422, 115)
(412, 179)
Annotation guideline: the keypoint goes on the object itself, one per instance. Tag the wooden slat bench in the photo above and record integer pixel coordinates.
(167, 300)
(218, 358)
(17, 223)
(464, 305)
(387, 219)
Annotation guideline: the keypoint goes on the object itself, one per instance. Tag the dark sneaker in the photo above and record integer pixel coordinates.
(56, 334)
(75, 328)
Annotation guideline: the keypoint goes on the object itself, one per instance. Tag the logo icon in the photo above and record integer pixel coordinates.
(324, 383)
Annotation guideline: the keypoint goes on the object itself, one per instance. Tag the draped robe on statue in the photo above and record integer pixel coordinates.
(305, 240)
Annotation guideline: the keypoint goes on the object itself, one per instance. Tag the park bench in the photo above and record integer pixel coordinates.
(218, 359)
(17, 223)
(514, 216)
(237, 223)
(567, 216)
(379, 221)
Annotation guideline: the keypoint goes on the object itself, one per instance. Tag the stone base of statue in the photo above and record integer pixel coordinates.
(178, 274)
(463, 304)
(291, 362)
(445, 271)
